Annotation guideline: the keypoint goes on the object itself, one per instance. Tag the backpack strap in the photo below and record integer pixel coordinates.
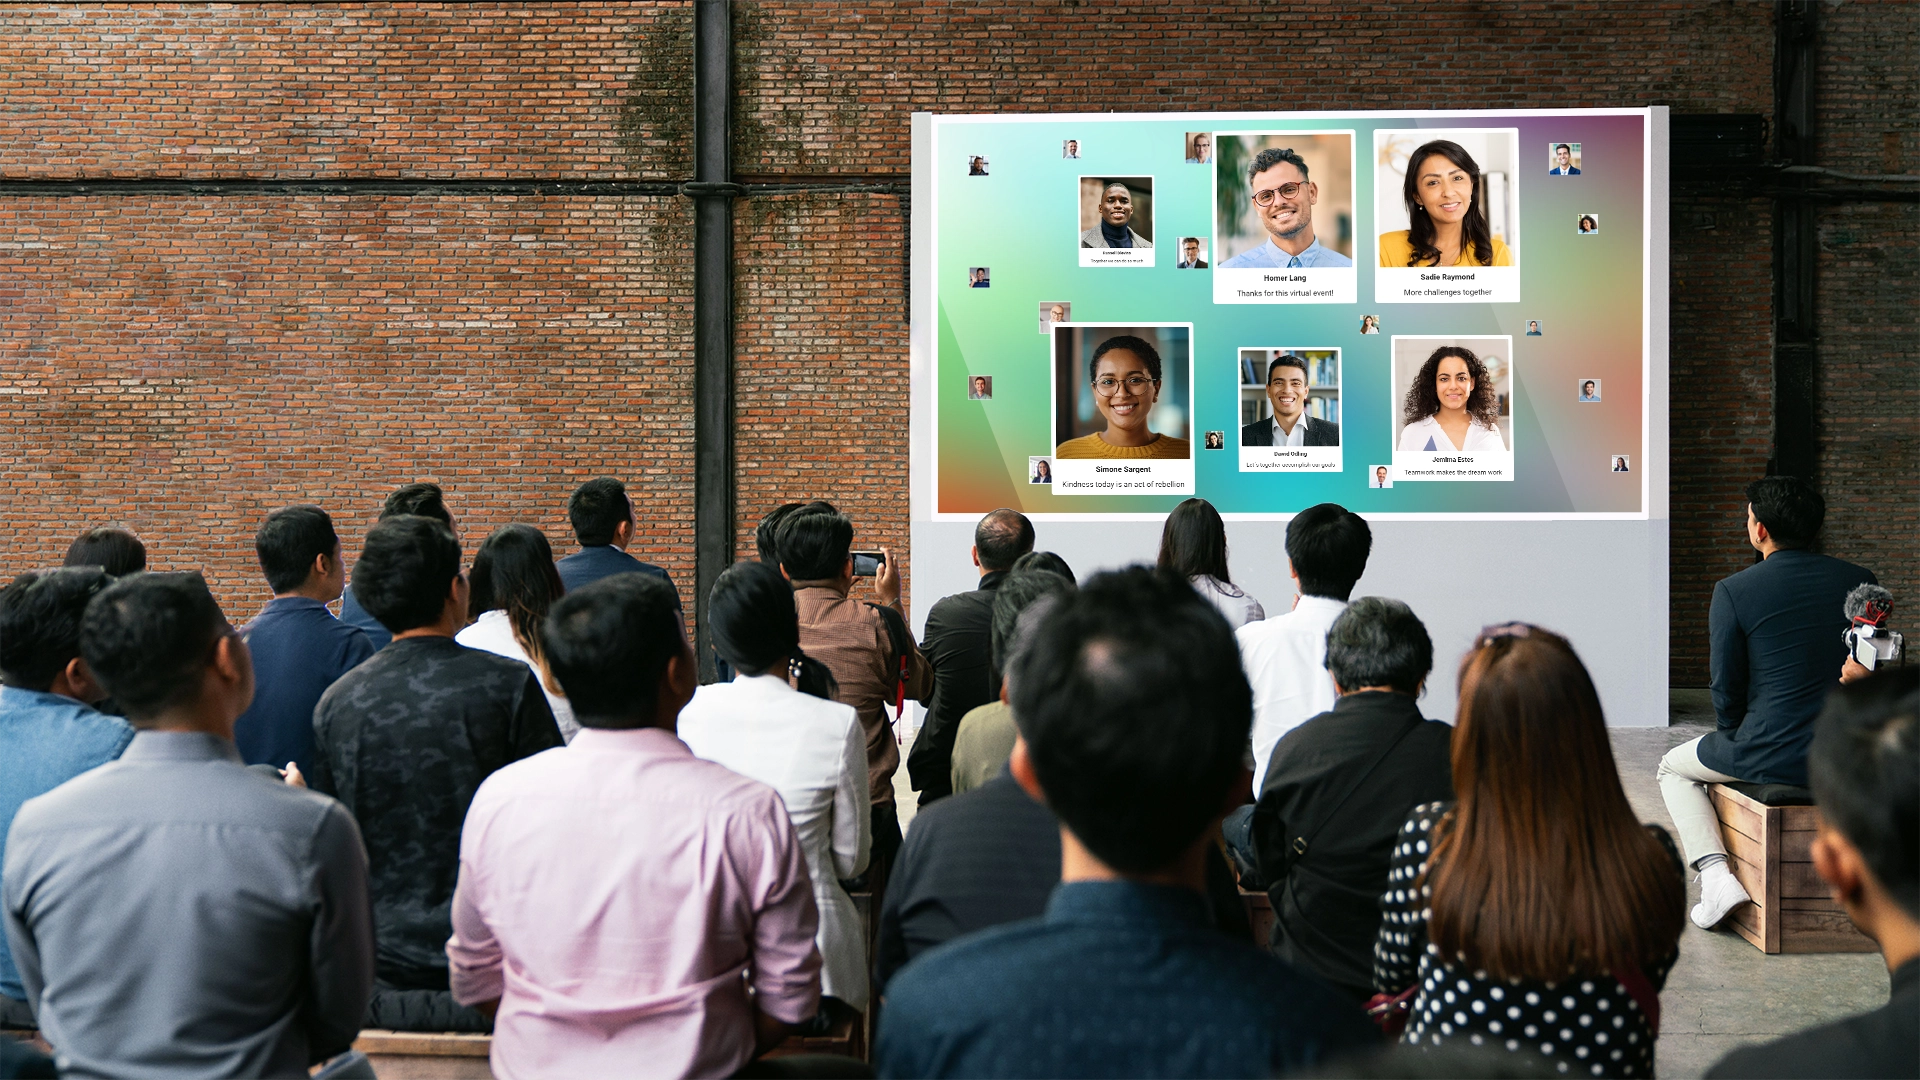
(1302, 838)
(902, 641)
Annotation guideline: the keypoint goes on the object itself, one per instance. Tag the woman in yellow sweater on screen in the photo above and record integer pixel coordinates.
(1449, 226)
(1125, 372)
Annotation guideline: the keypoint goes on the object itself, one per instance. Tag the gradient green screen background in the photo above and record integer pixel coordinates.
(1022, 221)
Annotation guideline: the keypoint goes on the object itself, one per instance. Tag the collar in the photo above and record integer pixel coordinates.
(646, 740)
(1376, 701)
(818, 586)
(180, 746)
(1127, 902)
(19, 697)
(1284, 254)
(1326, 604)
(992, 579)
(1299, 425)
(280, 604)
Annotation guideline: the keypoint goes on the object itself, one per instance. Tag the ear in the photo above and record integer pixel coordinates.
(1294, 574)
(322, 567)
(1021, 766)
(975, 551)
(1839, 864)
(81, 682)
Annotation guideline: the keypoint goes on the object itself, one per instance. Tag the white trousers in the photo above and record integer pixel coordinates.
(1683, 785)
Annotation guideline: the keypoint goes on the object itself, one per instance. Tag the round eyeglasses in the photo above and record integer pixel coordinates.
(1286, 191)
(1107, 385)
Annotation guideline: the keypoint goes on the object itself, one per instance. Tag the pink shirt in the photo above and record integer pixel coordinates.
(612, 893)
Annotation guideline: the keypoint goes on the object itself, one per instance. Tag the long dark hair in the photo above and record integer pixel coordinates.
(756, 627)
(1543, 868)
(1420, 229)
(1424, 401)
(513, 571)
(1194, 541)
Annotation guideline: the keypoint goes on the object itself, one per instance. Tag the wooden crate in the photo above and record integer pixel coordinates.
(415, 1055)
(1768, 849)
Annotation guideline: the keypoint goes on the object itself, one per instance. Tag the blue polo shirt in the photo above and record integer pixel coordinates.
(45, 741)
(1268, 256)
(1116, 979)
(299, 649)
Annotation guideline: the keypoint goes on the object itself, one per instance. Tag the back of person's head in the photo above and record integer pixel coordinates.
(1001, 538)
(1789, 507)
(609, 643)
(814, 541)
(1013, 598)
(148, 639)
(115, 550)
(1135, 713)
(1194, 541)
(1543, 867)
(766, 534)
(756, 627)
(406, 567)
(513, 572)
(422, 499)
(1328, 545)
(597, 510)
(289, 541)
(1378, 641)
(40, 614)
(1045, 560)
(1864, 768)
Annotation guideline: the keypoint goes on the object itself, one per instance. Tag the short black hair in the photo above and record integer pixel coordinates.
(422, 499)
(148, 638)
(1563, 146)
(1789, 507)
(1328, 545)
(1002, 537)
(608, 642)
(814, 541)
(1271, 156)
(1136, 713)
(1138, 346)
(1377, 641)
(1045, 560)
(597, 509)
(766, 534)
(40, 615)
(1293, 360)
(117, 551)
(288, 542)
(406, 567)
(1014, 596)
(1864, 768)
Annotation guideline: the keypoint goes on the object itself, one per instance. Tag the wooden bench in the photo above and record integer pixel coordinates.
(1768, 830)
(419, 1055)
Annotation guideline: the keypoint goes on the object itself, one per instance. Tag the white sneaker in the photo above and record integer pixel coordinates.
(1720, 893)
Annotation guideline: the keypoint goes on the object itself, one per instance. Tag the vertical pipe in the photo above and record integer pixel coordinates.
(1795, 248)
(713, 192)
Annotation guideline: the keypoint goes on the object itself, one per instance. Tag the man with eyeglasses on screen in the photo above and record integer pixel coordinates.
(1278, 181)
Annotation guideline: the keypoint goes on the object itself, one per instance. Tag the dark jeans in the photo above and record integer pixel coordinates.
(16, 1014)
(422, 1010)
(887, 839)
(1237, 830)
(805, 1067)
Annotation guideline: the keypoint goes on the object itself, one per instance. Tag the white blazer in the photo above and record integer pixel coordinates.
(814, 753)
(491, 632)
(1426, 434)
(1233, 601)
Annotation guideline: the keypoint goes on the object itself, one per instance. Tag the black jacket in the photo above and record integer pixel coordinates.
(1326, 902)
(1319, 432)
(958, 643)
(1884, 1042)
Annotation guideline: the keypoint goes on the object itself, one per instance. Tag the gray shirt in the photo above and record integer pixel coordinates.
(175, 914)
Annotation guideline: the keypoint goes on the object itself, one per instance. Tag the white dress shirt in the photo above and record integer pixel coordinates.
(1233, 601)
(493, 633)
(1286, 661)
(1427, 434)
(1298, 437)
(814, 753)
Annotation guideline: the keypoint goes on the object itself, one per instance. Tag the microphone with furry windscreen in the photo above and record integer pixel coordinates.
(1869, 642)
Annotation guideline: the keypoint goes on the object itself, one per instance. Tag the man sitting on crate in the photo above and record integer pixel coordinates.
(1776, 631)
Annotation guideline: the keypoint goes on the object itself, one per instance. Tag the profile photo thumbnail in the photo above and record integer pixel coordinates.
(976, 165)
(1589, 390)
(1284, 199)
(1193, 254)
(1199, 146)
(1620, 463)
(1379, 477)
(1588, 224)
(1444, 198)
(1070, 149)
(978, 277)
(1563, 159)
(1054, 311)
(1123, 391)
(1455, 394)
(980, 388)
(1039, 470)
(1116, 212)
(1216, 440)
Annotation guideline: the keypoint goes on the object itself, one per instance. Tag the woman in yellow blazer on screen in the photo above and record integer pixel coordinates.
(1125, 372)
(1449, 226)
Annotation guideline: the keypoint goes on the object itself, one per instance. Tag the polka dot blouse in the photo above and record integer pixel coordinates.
(1579, 1026)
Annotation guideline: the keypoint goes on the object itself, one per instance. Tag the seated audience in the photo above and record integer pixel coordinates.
(1340, 786)
(1536, 913)
(603, 522)
(1865, 768)
(404, 740)
(1045, 560)
(1774, 633)
(624, 906)
(992, 856)
(1133, 713)
(956, 644)
(174, 913)
(117, 551)
(298, 647)
(866, 646)
(514, 583)
(1193, 544)
(985, 741)
(777, 723)
(49, 732)
(423, 499)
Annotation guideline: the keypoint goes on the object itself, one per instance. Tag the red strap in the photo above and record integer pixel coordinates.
(1643, 993)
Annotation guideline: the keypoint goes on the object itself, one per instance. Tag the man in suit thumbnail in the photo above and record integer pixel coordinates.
(1563, 161)
(1290, 425)
(1190, 255)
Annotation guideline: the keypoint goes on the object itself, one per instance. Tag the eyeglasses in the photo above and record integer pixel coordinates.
(1286, 191)
(1501, 632)
(1107, 385)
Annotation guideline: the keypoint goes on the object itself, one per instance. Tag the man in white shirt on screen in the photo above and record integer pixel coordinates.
(1278, 184)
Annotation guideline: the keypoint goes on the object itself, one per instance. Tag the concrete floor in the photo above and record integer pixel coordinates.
(1723, 993)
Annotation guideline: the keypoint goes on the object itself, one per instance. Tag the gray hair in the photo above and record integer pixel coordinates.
(1379, 642)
